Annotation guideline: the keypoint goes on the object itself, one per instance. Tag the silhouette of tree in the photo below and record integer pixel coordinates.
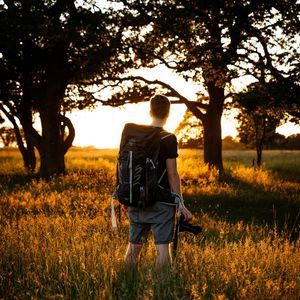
(292, 142)
(229, 143)
(259, 117)
(7, 136)
(210, 43)
(46, 48)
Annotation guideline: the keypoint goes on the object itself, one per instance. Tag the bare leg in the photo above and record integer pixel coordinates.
(163, 259)
(132, 255)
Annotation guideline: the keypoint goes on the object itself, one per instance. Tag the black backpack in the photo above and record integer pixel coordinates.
(137, 181)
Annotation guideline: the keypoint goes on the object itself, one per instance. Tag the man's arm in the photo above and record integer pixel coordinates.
(173, 176)
(174, 181)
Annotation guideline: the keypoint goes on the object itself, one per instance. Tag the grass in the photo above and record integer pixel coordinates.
(56, 240)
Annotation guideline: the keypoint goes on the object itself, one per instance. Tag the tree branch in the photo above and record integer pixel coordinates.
(70, 138)
(191, 105)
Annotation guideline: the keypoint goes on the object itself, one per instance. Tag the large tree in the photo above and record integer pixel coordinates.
(45, 47)
(12, 106)
(210, 43)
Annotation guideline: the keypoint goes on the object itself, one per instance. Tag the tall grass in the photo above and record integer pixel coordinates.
(56, 240)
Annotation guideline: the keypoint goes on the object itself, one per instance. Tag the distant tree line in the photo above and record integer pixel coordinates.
(278, 142)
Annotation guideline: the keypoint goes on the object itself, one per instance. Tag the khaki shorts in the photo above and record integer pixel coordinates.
(159, 217)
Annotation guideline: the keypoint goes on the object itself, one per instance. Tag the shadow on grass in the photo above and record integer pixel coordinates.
(15, 181)
(252, 204)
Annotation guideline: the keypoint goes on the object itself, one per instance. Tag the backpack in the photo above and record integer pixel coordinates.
(137, 178)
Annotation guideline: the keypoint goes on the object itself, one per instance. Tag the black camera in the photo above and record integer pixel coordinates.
(186, 226)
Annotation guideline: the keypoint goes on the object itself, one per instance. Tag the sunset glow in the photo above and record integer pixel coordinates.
(102, 127)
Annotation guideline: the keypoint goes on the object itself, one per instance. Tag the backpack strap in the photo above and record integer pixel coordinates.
(162, 176)
(165, 136)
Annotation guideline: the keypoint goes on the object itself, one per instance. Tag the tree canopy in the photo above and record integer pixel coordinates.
(210, 43)
(47, 49)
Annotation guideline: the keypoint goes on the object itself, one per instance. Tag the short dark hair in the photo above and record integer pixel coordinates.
(159, 106)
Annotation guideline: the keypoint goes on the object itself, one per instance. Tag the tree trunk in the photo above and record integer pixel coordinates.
(212, 128)
(213, 142)
(53, 146)
(25, 117)
(27, 152)
(260, 134)
(51, 149)
(259, 155)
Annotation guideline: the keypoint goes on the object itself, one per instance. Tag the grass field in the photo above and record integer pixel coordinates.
(56, 240)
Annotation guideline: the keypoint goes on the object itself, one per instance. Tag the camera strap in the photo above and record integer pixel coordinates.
(176, 233)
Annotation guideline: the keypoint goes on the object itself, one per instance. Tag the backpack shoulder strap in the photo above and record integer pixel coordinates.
(164, 134)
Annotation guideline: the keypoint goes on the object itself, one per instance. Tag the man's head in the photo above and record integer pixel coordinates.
(159, 107)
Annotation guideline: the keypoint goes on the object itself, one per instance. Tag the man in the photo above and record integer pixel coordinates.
(159, 217)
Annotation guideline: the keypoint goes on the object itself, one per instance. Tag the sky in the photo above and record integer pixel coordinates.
(103, 126)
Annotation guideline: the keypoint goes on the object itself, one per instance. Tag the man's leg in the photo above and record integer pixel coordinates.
(163, 259)
(132, 255)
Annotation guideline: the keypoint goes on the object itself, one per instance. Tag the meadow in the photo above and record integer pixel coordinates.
(56, 240)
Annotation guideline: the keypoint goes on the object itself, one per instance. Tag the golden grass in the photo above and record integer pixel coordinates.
(56, 240)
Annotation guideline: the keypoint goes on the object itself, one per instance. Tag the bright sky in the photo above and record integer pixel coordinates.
(102, 127)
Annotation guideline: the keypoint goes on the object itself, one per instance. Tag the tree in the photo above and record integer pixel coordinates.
(7, 136)
(12, 107)
(47, 47)
(210, 43)
(258, 118)
(229, 143)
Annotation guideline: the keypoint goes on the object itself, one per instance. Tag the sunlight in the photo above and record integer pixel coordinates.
(102, 127)
(288, 129)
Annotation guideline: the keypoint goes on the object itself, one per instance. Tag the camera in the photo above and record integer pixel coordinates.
(186, 226)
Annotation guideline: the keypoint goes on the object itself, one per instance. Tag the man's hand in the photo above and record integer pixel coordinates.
(186, 214)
